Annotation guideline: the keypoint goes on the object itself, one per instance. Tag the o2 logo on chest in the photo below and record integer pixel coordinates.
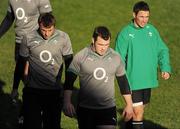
(20, 14)
(102, 76)
(46, 56)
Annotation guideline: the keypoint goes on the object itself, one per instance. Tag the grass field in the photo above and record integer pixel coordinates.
(78, 18)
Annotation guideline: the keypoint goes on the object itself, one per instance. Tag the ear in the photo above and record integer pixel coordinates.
(93, 41)
(134, 15)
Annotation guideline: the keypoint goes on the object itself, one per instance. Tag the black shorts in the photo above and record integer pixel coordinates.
(141, 97)
(91, 118)
(36, 101)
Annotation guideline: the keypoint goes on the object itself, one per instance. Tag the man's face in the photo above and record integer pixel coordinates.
(46, 32)
(141, 18)
(101, 45)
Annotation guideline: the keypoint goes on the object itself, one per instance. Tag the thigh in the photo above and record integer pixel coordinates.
(52, 107)
(19, 68)
(86, 118)
(106, 117)
(141, 97)
(146, 96)
(31, 110)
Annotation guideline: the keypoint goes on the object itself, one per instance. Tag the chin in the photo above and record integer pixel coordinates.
(142, 26)
(101, 54)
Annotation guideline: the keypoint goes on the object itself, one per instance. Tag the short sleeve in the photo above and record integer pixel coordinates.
(121, 67)
(75, 65)
(67, 48)
(45, 6)
(24, 50)
(9, 9)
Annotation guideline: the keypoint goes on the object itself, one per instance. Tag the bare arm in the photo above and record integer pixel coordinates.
(26, 68)
(68, 107)
(128, 110)
(126, 92)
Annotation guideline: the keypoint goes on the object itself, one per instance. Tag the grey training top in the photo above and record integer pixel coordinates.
(96, 75)
(26, 14)
(45, 58)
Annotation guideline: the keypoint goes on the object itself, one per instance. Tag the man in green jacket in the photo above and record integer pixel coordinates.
(142, 50)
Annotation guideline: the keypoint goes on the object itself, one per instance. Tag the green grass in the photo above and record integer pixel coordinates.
(78, 18)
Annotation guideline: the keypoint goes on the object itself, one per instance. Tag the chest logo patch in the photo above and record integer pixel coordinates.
(55, 41)
(131, 35)
(46, 56)
(90, 59)
(150, 34)
(21, 15)
(46, 6)
(100, 74)
(37, 42)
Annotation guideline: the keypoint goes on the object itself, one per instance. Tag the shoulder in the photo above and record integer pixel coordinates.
(126, 29)
(152, 28)
(82, 52)
(62, 34)
(115, 54)
(31, 35)
(10, 2)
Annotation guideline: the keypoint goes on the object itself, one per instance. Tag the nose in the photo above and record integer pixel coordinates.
(145, 19)
(46, 33)
(103, 48)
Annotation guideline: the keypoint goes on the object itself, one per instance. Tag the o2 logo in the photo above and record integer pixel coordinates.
(100, 77)
(20, 14)
(48, 56)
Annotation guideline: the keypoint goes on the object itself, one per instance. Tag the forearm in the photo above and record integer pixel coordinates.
(125, 89)
(6, 23)
(26, 68)
(69, 80)
(67, 60)
(123, 85)
(67, 96)
(128, 99)
(128, 109)
(68, 107)
(68, 86)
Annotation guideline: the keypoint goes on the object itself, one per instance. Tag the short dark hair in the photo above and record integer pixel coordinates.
(101, 31)
(47, 20)
(140, 6)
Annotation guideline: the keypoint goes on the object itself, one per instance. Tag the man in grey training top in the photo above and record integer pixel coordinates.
(97, 66)
(45, 49)
(25, 15)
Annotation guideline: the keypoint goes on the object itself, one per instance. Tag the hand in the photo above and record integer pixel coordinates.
(165, 75)
(128, 112)
(68, 109)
